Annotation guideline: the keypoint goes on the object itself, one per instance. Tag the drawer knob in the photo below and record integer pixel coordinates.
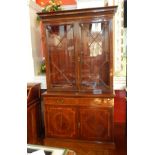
(60, 101)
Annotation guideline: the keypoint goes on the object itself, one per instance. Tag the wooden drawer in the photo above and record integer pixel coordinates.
(60, 101)
(104, 102)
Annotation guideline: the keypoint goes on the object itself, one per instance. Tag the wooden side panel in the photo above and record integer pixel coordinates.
(96, 124)
(60, 121)
(32, 124)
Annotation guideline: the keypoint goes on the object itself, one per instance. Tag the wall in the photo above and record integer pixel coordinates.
(64, 2)
(120, 106)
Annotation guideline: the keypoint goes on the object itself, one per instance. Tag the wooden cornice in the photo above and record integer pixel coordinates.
(78, 13)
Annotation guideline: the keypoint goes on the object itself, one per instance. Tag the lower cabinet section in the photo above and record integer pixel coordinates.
(79, 118)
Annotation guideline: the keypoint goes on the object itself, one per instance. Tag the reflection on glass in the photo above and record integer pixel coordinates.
(95, 46)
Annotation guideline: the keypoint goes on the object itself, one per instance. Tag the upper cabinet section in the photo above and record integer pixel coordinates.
(78, 46)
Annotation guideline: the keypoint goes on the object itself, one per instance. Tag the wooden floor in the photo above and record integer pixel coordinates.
(96, 149)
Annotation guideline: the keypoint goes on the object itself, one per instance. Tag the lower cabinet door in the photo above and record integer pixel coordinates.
(96, 124)
(60, 121)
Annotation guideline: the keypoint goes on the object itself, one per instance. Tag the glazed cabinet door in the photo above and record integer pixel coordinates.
(96, 124)
(60, 121)
(60, 57)
(95, 56)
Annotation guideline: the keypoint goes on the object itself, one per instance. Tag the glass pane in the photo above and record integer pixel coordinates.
(95, 56)
(61, 56)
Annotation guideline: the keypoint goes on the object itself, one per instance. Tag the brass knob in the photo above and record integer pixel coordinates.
(104, 101)
(60, 101)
